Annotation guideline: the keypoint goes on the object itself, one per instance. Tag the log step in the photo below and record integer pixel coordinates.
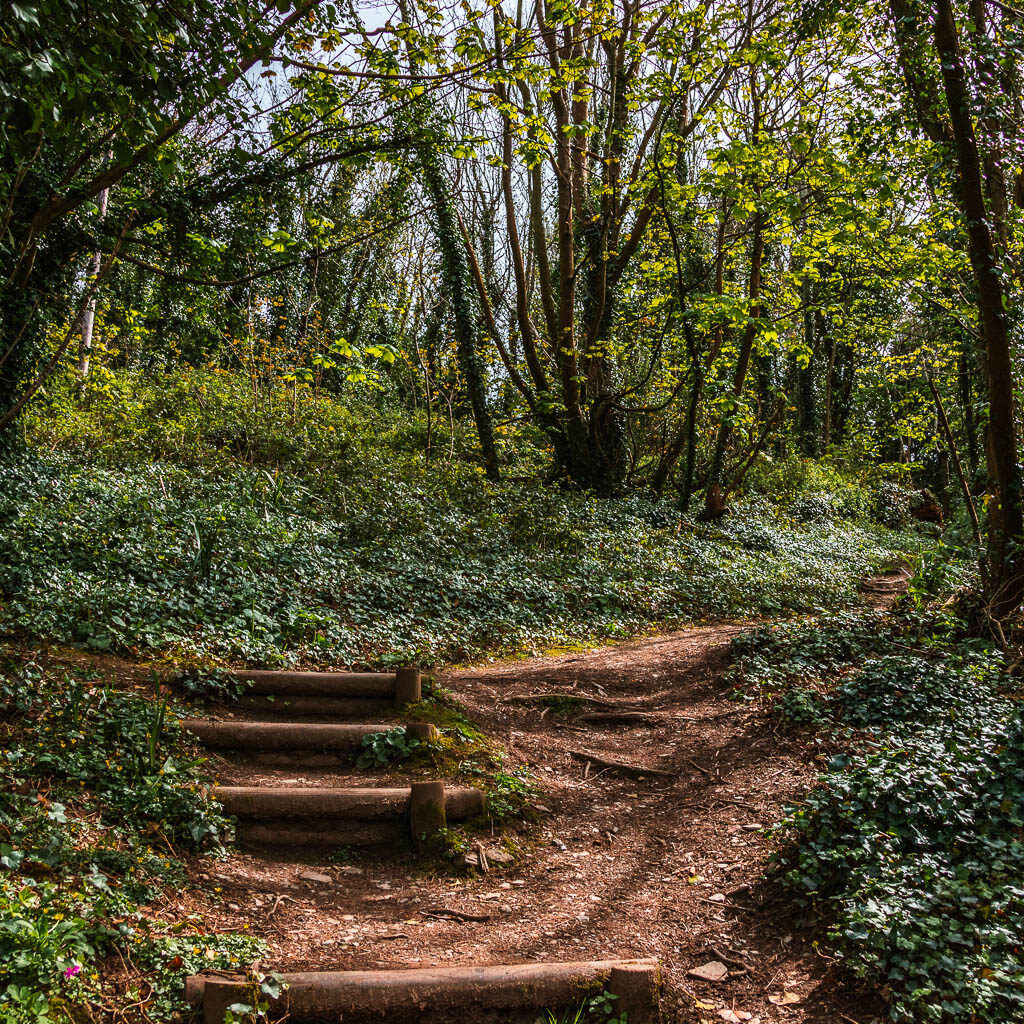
(401, 687)
(277, 816)
(292, 742)
(447, 993)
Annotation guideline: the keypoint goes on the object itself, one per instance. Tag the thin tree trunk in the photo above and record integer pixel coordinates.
(89, 316)
(714, 500)
(965, 488)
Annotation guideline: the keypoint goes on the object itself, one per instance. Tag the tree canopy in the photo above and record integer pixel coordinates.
(669, 239)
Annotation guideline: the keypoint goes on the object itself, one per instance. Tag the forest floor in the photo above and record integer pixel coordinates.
(668, 866)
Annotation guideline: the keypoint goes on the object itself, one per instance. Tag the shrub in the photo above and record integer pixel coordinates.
(811, 488)
(912, 842)
(893, 503)
(97, 797)
(381, 748)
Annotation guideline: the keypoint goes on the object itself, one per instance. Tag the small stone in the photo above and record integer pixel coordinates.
(348, 869)
(717, 897)
(234, 906)
(315, 876)
(496, 855)
(714, 970)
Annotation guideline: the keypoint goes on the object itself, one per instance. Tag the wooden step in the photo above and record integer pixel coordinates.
(517, 991)
(299, 743)
(276, 816)
(401, 687)
(330, 695)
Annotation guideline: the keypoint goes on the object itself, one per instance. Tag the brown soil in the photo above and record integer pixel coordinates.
(668, 865)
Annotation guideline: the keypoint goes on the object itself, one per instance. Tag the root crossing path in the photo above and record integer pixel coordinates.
(666, 864)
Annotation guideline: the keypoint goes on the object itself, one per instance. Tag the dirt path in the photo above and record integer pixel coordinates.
(666, 866)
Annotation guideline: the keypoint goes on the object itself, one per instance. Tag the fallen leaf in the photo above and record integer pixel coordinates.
(786, 999)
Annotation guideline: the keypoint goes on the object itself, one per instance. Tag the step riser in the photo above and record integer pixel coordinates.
(339, 817)
(336, 709)
(226, 736)
(367, 804)
(452, 993)
(293, 759)
(262, 738)
(316, 834)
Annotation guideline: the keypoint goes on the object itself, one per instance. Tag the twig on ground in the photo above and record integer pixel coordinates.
(440, 913)
(532, 698)
(724, 714)
(732, 961)
(622, 766)
(723, 903)
(277, 902)
(738, 803)
(481, 858)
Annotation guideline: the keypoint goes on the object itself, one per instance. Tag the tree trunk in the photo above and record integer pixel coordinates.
(807, 409)
(455, 273)
(1006, 513)
(89, 316)
(714, 499)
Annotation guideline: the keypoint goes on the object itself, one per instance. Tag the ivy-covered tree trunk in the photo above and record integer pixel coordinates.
(34, 271)
(455, 275)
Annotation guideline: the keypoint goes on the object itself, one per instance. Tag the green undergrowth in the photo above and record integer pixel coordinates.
(100, 803)
(465, 755)
(212, 565)
(912, 844)
(596, 1009)
(461, 755)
